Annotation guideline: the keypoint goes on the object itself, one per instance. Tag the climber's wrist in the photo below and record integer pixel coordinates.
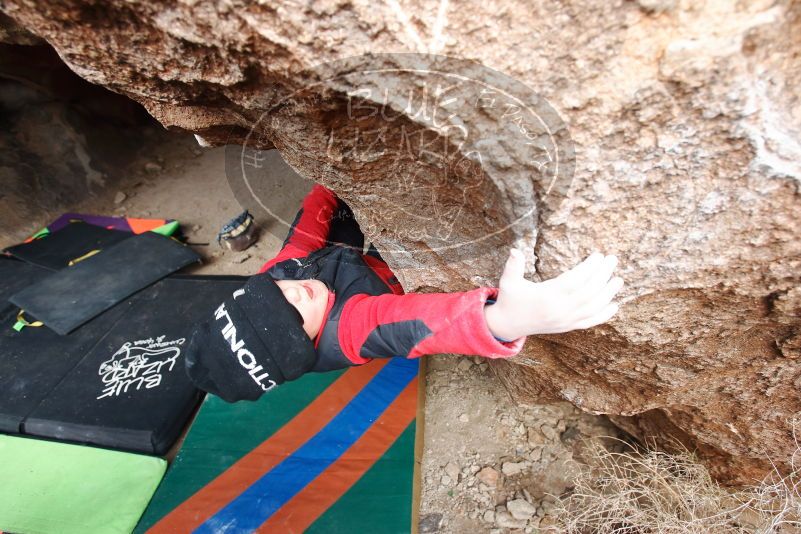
(497, 323)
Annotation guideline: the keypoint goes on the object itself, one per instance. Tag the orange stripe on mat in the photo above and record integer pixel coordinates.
(229, 484)
(310, 503)
(140, 226)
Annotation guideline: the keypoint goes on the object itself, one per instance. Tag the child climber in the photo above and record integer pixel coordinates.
(321, 304)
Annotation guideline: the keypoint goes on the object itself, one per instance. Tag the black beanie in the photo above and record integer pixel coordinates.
(252, 342)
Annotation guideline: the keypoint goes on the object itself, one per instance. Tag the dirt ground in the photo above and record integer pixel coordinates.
(488, 466)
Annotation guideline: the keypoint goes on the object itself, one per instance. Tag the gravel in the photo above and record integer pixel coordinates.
(489, 466)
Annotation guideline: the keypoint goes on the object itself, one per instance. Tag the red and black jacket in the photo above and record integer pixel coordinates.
(368, 315)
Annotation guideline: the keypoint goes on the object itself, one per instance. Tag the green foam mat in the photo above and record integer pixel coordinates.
(53, 487)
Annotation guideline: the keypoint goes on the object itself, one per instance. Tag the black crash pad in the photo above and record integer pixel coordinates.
(68, 298)
(131, 391)
(57, 249)
(16, 275)
(35, 360)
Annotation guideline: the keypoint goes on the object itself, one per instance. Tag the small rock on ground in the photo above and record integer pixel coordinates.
(504, 519)
(511, 469)
(488, 476)
(521, 509)
(152, 167)
(430, 522)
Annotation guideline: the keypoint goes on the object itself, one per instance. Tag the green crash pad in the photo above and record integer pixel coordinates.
(53, 487)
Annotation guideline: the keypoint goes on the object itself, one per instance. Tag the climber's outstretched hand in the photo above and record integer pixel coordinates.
(576, 299)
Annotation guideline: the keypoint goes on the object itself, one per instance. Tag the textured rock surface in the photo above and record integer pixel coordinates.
(13, 33)
(61, 138)
(686, 120)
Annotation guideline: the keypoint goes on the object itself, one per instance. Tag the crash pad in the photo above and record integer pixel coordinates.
(330, 453)
(123, 224)
(55, 250)
(54, 487)
(16, 275)
(130, 391)
(68, 298)
(34, 360)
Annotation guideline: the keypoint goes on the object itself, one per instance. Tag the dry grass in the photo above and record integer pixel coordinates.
(648, 491)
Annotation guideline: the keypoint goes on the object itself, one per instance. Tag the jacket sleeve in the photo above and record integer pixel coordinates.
(415, 324)
(309, 230)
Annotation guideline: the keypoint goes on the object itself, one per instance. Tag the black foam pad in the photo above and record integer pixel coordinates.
(68, 298)
(16, 275)
(56, 250)
(34, 360)
(131, 391)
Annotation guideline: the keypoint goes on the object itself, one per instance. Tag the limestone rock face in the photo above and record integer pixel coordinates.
(683, 158)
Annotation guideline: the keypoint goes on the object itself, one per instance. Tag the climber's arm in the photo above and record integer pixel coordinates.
(470, 323)
(415, 324)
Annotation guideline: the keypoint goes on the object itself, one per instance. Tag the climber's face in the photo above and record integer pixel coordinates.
(310, 298)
